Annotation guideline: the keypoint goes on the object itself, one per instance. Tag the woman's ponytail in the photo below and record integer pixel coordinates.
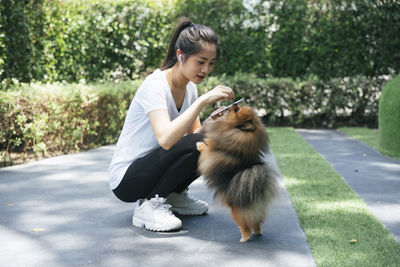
(188, 37)
(171, 59)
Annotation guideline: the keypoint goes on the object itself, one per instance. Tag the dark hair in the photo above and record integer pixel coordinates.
(189, 38)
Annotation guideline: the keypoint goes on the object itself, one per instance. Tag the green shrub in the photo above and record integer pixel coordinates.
(50, 118)
(45, 119)
(15, 45)
(242, 31)
(389, 118)
(65, 40)
(333, 38)
(310, 102)
(89, 40)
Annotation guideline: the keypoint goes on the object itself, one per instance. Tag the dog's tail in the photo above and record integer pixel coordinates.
(257, 183)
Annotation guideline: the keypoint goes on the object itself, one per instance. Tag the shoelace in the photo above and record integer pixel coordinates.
(190, 198)
(164, 208)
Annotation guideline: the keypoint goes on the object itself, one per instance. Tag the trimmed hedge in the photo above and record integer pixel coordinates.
(47, 118)
(389, 118)
(53, 118)
(312, 102)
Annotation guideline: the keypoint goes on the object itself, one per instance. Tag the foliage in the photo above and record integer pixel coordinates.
(241, 30)
(86, 40)
(65, 40)
(15, 47)
(334, 38)
(389, 118)
(309, 102)
(62, 117)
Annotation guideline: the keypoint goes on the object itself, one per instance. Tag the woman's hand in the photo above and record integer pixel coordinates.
(220, 92)
(169, 132)
(210, 119)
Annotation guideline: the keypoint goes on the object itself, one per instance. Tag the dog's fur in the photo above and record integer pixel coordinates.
(232, 162)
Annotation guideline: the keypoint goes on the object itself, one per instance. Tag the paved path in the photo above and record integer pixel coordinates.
(374, 177)
(60, 212)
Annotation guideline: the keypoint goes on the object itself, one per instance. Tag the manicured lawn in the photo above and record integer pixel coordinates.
(339, 227)
(365, 135)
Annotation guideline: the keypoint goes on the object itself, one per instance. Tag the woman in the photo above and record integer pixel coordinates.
(155, 159)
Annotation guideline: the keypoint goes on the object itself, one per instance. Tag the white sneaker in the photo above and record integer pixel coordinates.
(183, 204)
(155, 215)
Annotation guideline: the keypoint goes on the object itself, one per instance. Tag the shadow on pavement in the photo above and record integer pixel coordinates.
(60, 211)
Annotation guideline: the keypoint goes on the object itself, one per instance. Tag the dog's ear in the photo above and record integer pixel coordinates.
(247, 126)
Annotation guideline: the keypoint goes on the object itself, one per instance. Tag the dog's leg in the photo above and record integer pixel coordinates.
(241, 221)
(257, 228)
(200, 146)
(246, 232)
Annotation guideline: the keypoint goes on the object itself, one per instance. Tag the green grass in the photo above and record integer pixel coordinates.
(368, 136)
(331, 214)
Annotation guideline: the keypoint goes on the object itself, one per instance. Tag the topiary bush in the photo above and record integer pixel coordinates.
(389, 118)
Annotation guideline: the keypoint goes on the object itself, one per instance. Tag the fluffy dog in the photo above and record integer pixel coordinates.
(233, 163)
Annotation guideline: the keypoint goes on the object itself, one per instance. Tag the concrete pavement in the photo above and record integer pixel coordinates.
(60, 212)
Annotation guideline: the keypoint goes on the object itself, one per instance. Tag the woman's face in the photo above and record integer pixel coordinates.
(196, 67)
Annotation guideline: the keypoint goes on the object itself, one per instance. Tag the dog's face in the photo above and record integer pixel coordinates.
(243, 119)
(238, 129)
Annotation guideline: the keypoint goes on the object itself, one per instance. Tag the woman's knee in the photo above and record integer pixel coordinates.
(190, 140)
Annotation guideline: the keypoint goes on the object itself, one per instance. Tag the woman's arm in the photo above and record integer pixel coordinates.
(169, 132)
(195, 126)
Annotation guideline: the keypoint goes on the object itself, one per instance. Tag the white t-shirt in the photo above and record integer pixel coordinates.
(137, 138)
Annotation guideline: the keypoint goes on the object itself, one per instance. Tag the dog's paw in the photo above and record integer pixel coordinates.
(200, 146)
(257, 229)
(244, 239)
(258, 233)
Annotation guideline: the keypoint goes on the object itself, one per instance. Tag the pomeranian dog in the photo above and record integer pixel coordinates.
(234, 163)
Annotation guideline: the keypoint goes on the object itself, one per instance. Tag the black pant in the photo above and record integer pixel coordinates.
(161, 171)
